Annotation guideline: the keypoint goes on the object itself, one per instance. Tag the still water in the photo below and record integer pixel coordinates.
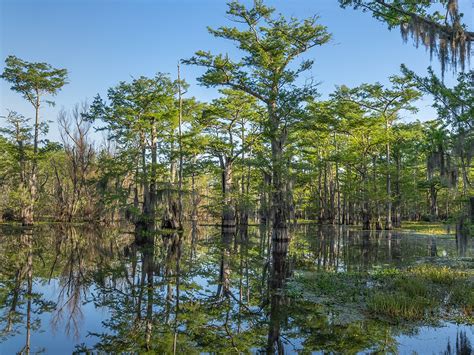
(76, 289)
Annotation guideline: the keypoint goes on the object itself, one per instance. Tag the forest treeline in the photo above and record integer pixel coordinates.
(268, 150)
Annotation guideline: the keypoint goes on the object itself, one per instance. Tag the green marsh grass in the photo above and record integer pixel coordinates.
(418, 293)
(399, 306)
(433, 228)
(438, 274)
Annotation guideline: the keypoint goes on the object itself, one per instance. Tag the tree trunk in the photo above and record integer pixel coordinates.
(27, 213)
(325, 195)
(471, 199)
(154, 161)
(279, 203)
(194, 213)
(320, 198)
(388, 220)
(365, 204)
(141, 225)
(244, 190)
(397, 217)
(228, 212)
(378, 222)
(433, 202)
(180, 171)
(332, 196)
(340, 217)
(170, 218)
(465, 179)
(265, 200)
(279, 193)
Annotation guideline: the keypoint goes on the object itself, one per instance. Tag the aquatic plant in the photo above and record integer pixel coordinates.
(399, 305)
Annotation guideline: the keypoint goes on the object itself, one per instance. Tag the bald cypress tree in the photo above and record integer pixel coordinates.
(269, 44)
(386, 104)
(33, 81)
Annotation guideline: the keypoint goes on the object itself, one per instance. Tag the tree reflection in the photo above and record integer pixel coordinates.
(278, 274)
(462, 346)
(203, 290)
(21, 306)
(461, 242)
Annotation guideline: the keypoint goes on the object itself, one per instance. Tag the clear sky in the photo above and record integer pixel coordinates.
(102, 42)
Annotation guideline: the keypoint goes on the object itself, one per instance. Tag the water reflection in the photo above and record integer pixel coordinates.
(279, 273)
(461, 242)
(462, 346)
(203, 290)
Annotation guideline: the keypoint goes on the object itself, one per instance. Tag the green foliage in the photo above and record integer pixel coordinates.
(439, 275)
(441, 31)
(418, 293)
(426, 228)
(455, 106)
(324, 160)
(33, 79)
(398, 306)
(270, 44)
(463, 297)
(398, 12)
(377, 100)
(331, 288)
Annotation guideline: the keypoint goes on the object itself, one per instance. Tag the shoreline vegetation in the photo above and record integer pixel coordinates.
(423, 294)
(428, 228)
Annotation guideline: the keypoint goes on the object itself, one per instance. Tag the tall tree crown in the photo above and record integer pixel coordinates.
(270, 44)
(33, 79)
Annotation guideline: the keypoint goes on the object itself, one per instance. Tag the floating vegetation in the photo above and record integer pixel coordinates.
(421, 293)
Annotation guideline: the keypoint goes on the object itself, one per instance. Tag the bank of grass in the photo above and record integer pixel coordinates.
(399, 306)
(433, 228)
(464, 299)
(423, 293)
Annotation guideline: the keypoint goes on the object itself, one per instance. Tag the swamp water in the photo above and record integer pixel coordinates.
(65, 290)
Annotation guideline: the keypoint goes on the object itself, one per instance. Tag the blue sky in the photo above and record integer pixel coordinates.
(102, 42)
